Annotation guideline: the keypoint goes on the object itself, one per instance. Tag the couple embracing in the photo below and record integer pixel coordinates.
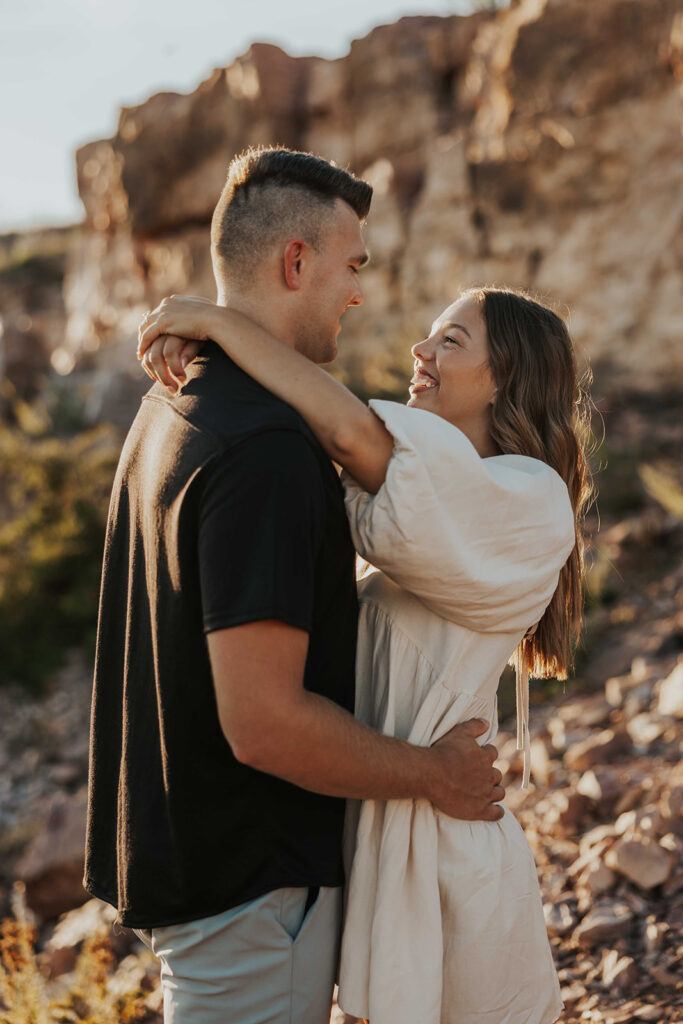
(266, 730)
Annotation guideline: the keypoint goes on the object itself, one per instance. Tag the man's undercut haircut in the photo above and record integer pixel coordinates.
(274, 194)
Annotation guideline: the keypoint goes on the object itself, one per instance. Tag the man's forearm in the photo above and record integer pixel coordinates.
(319, 746)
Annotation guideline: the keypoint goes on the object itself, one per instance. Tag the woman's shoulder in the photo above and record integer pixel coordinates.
(441, 446)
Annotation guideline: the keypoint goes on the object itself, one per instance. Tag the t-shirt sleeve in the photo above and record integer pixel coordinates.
(480, 541)
(260, 526)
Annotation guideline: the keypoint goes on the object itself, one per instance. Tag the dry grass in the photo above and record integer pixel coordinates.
(86, 996)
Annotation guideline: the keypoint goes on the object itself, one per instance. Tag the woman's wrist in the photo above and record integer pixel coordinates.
(220, 324)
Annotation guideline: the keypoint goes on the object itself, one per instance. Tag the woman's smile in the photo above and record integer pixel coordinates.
(421, 381)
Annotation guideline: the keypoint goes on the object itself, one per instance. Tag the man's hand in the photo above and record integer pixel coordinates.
(465, 784)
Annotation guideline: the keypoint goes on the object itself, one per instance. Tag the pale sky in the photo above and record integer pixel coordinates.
(66, 66)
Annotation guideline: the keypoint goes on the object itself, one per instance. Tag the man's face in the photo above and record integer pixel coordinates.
(331, 284)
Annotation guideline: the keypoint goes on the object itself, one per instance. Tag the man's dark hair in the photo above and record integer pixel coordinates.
(273, 194)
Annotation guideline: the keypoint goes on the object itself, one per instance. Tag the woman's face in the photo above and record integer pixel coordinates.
(452, 376)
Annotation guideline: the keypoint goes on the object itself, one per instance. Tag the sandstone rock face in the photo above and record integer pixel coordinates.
(517, 147)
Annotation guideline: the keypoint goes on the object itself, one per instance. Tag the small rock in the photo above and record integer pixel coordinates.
(630, 798)
(645, 819)
(672, 808)
(606, 921)
(597, 878)
(540, 762)
(618, 971)
(562, 736)
(670, 701)
(673, 884)
(572, 993)
(596, 749)
(650, 1012)
(645, 729)
(640, 859)
(673, 843)
(73, 928)
(616, 689)
(601, 785)
(640, 670)
(55, 962)
(66, 774)
(585, 712)
(567, 809)
(595, 836)
(654, 933)
(560, 919)
(131, 975)
(663, 977)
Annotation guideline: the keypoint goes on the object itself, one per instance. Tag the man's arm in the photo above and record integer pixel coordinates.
(276, 726)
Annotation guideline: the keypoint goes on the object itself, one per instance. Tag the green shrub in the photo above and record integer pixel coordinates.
(54, 495)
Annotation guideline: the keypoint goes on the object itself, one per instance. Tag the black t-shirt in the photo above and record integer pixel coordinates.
(224, 510)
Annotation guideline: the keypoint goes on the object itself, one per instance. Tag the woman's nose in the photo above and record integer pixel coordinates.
(422, 350)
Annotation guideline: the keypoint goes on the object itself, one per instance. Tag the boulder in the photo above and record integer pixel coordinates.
(52, 867)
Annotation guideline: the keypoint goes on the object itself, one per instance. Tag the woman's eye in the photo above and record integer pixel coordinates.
(453, 341)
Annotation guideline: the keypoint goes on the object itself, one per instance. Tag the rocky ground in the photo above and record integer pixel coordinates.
(604, 814)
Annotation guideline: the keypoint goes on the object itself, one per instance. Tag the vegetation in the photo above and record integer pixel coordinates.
(25, 993)
(54, 495)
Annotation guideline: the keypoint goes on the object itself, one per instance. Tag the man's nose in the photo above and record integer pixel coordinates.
(357, 295)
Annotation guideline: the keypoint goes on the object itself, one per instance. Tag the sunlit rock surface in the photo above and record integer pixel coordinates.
(538, 147)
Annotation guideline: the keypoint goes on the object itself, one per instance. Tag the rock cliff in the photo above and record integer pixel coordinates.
(539, 146)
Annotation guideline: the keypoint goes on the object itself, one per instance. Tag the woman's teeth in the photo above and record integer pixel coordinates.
(422, 383)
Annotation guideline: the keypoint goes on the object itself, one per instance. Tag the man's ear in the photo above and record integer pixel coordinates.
(293, 259)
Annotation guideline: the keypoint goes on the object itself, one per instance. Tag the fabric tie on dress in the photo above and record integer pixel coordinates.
(522, 679)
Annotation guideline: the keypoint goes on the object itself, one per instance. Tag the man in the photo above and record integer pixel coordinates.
(223, 739)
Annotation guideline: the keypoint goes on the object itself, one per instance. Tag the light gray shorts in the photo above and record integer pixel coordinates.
(264, 962)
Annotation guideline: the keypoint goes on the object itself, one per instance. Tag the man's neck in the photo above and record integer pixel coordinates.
(262, 311)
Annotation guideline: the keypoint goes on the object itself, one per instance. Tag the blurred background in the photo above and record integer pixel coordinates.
(536, 144)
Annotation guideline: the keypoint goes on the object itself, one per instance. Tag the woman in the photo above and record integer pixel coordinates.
(471, 516)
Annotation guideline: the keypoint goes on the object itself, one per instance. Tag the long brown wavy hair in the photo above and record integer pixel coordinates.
(541, 410)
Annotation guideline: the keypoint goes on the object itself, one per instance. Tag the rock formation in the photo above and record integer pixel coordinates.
(539, 146)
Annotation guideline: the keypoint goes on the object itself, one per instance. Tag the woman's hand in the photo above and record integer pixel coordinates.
(170, 337)
(166, 358)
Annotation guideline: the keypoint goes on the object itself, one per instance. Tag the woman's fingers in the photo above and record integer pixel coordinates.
(172, 352)
(147, 366)
(148, 331)
(182, 315)
(190, 353)
(154, 364)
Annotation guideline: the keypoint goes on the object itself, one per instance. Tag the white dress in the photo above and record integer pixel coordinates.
(444, 923)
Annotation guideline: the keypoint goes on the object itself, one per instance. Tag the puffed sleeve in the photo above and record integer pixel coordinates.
(479, 541)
